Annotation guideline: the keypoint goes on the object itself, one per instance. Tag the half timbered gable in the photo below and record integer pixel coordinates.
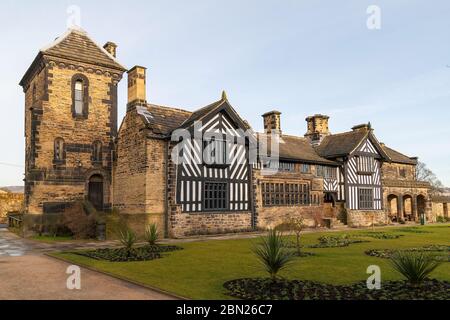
(214, 174)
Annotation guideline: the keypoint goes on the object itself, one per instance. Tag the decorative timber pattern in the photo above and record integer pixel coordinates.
(217, 187)
(363, 183)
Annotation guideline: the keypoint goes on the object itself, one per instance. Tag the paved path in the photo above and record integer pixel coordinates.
(27, 274)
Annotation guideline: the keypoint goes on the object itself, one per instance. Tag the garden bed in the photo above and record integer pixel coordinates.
(145, 253)
(266, 289)
(380, 235)
(335, 242)
(441, 252)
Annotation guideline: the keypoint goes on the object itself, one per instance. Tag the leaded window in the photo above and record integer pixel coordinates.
(366, 199)
(215, 196)
(285, 194)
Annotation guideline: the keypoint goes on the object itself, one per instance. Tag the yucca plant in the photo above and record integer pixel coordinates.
(128, 239)
(273, 254)
(152, 234)
(414, 266)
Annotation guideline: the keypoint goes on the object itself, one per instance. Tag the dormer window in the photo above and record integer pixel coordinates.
(80, 96)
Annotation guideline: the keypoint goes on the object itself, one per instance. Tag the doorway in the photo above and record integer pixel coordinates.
(95, 193)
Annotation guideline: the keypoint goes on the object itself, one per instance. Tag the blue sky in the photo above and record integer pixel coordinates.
(300, 57)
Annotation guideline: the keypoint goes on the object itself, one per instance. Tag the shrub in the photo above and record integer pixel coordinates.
(81, 224)
(415, 267)
(273, 254)
(128, 239)
(152, 234)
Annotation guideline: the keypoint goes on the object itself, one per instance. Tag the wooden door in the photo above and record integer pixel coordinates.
(96, 192)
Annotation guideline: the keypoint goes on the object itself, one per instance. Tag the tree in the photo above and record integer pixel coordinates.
(423, 173)
(297, 225)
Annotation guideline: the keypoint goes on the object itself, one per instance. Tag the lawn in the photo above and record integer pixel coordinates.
(200, 270)
(51, 239)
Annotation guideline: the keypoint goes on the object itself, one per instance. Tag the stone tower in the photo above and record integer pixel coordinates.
(317, 128)
(70, 123)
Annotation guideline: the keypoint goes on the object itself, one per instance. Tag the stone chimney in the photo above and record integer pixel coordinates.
(272, 122)
(362, 127)
(317, 128)
(137, 86)
(111, 47)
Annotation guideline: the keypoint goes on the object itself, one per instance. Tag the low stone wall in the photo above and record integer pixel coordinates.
(10, 202)
(271, 217)
(184, 224)
(357, 218)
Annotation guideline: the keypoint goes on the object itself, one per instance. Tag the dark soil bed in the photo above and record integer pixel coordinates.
(266, 289)
(145, 253)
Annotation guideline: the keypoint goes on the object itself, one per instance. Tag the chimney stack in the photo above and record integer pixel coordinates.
(111, 47)
(137, 86)
(317, 128)
(272, 122)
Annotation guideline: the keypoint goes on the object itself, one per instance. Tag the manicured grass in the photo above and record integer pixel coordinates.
(200, 270)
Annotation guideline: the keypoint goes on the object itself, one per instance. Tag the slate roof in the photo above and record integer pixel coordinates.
(340, 144)
(296, 149)
(398, 157)
(76, 45)
(163, 120)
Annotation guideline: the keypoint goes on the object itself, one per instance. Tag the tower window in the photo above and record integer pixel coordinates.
(59, 149)
(97, 151)
(80, 96)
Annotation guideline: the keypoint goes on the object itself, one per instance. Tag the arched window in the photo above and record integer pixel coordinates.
(59, 149)
(97, 151)
(80, 96)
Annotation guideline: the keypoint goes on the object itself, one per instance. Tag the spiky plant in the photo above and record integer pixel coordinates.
(152, 234)
(273, 254)
(128, 239)
(414, 266)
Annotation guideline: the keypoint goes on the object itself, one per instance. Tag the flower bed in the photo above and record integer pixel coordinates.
(442, 252)
(335, 242)
(381, 235)
(145, 253)
(266, 289)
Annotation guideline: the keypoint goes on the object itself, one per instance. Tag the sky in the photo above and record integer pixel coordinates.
(299, 57)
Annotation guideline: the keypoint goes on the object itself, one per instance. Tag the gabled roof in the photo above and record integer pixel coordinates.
(76, 45)
(398, 157)
(295, 149)
(162, 120)
(340, 144)
(344, 144)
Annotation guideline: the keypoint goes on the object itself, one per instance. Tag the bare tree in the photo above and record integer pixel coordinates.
(423, 173)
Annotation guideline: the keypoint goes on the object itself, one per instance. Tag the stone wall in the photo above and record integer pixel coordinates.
(272, 216)
(440, 209)
(398, 171)
(10, 202)
(358, 218)
(131, 166)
